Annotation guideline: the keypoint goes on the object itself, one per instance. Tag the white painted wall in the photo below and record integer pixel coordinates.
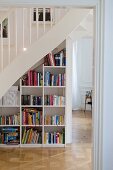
(85, 74)
(84, 59)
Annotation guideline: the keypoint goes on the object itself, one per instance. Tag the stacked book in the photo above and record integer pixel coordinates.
(10, 119)
(54, 100)
(32, 78)
(31, 136)
(54, 80)
(54, 120)
(31, 117)
(9, 135)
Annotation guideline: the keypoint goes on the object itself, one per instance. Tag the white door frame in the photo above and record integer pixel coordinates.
(98, 85)
(98, 90)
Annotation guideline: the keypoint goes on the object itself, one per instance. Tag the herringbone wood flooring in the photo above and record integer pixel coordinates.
(76, 156)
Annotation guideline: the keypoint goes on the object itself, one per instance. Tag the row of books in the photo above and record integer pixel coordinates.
(31, 136)
(31, 100)
(10, 119)
(32, 78)
(9, 136)
(54, 100)
(54, 137)
(54, 80)
(58, 59)
(54, 120)
(31, 117)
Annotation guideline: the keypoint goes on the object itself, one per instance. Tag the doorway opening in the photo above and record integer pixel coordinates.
(82, 46)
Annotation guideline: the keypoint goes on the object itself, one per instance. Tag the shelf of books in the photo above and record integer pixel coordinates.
(10, 118)
(38, 119)
(31, 108)
(54, 72)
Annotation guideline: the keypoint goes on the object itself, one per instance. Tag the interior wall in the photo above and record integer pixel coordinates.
(83, 70)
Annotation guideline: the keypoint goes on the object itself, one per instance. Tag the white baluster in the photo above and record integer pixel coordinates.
(30, 25)
(9, 39)
(51, 15)
(44, 18)
(1, 47)
(24, 49)
(16, 31)
(37, 23)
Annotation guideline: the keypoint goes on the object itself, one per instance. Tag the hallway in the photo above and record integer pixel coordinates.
(76, 156)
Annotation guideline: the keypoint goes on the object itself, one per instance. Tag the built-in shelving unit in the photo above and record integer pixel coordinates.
(41, 110)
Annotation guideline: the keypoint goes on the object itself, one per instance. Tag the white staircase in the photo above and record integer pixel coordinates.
(29, 41)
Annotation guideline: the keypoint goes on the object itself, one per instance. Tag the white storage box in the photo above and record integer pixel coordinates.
(11, 97)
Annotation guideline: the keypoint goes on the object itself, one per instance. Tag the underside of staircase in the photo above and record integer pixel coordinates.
(37, 50)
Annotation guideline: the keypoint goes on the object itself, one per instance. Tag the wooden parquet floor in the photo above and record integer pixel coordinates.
(76, 156)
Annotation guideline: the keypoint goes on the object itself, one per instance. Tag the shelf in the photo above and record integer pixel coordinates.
(55, 67)
(12, 146)
(52, 106)
(54, 86)
(54, 125)
(32, 125)
(54, 145)
(31, 105)
(31, 145)
(9, 106)
(31, 86)
(9, 125)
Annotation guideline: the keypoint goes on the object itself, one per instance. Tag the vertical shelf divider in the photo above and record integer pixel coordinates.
(43, 110)
(20, 112)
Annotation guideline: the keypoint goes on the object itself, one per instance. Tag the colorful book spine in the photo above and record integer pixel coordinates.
(54, 80)
(54, 137)
(9, 135)
(58, 59)
(31, 136)
(10, 119)
(54, 120)
(32, 78)
(54, 100)
(31, 117)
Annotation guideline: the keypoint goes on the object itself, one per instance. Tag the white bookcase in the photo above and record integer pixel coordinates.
(53, 134)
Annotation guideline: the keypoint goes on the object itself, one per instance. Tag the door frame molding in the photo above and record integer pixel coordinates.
(98, 73)
(98, 89)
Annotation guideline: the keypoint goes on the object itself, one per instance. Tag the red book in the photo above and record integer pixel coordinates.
(35, 78)
(48, 58)
(29, 78)
(52, 60)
